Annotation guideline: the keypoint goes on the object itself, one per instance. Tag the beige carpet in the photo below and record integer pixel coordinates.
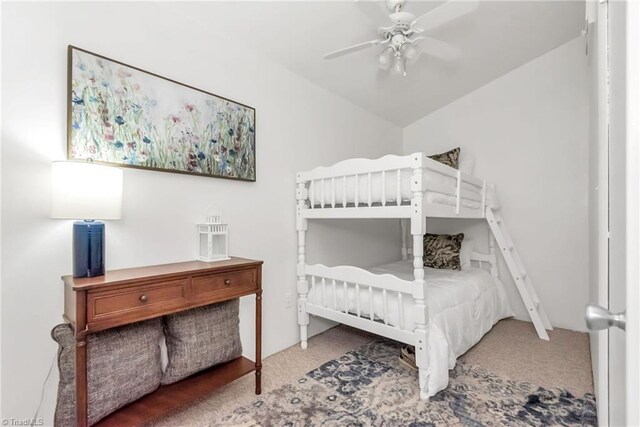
(511, 349)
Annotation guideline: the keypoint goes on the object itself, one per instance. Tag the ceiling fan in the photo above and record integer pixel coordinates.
(404, 40)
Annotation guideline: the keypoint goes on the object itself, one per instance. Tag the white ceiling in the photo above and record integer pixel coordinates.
(498, 37)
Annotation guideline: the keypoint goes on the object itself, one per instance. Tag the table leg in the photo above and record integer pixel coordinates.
(81, 381)
(259, 342)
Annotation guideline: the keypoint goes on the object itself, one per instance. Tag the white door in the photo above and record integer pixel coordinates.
(617, 208)
(632, 362)
(622, 376)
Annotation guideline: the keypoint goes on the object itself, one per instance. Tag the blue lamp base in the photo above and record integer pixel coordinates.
(88, 248)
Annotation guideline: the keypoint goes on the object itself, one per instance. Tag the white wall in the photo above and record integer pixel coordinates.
(529, 133)
(300, 126)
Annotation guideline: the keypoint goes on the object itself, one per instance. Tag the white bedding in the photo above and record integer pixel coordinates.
(463, 306)
(434, 182)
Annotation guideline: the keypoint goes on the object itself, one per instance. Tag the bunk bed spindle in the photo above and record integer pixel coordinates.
(356, 198)
(344, 191)
(324, 292)
(335, 295)
(399, 187)
(346, 296)
(312, 194)
(333, 192)
(358, 300)
(369, 189)
(385, 307)
(383, 195)
(370, 303)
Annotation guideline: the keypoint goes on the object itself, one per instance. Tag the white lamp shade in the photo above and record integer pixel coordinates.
(84, 190)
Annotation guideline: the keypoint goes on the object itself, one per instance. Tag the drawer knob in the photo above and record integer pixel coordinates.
(144, 298)
(227, 282)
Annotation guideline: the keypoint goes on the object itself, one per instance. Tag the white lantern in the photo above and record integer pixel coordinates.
(213, 243)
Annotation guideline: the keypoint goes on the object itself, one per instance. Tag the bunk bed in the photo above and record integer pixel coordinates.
(406, 301)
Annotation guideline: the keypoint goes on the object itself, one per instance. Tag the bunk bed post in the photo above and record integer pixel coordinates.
(418, 229)
(302, 283)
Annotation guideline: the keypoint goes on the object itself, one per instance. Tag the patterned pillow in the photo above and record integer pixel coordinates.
(450, 158)
(442, 251)
(123, 364)
(200, 338)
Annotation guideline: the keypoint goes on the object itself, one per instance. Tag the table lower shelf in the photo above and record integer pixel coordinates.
(173, 397)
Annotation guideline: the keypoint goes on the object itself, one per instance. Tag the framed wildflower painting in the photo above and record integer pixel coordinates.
(125, 116)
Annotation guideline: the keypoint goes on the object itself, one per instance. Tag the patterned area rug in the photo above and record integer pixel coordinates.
(369, 386)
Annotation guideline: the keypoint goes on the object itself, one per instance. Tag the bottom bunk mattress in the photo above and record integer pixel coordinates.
(463, 306)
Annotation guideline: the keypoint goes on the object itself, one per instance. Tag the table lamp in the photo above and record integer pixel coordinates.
(87, 192)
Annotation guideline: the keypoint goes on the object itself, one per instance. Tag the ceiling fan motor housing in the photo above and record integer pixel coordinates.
(402, 24)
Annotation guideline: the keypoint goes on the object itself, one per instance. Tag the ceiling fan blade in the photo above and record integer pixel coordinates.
(353, 48)
(375, 10)
(441, 15)
(439, 49)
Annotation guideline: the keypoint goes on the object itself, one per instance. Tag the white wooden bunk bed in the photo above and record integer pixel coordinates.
(395, 300)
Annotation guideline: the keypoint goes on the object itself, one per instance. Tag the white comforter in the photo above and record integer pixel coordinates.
(463, 306)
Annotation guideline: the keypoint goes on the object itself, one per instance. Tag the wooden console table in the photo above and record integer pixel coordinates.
(130, 295)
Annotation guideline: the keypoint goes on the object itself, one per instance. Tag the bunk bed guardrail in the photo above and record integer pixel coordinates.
(337, 295)
(345, 294)
(388, 182)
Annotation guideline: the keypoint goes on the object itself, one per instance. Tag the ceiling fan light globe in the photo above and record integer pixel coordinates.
(385, 60)
(398, 66)
(411, 54)
(384, 64)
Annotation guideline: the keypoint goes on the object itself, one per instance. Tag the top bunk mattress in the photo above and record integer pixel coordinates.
(377, 188)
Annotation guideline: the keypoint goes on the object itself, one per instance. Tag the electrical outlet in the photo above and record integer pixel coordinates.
(288, 300)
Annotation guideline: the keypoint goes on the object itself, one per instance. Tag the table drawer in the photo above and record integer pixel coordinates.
(235, 282)
(134, 300)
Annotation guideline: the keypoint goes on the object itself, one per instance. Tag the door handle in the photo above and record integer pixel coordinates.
(598, 318)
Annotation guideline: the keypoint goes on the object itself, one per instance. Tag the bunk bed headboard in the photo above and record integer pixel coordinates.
(478, 259)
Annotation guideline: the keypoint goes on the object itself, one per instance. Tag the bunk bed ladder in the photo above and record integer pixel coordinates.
(519, 274)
